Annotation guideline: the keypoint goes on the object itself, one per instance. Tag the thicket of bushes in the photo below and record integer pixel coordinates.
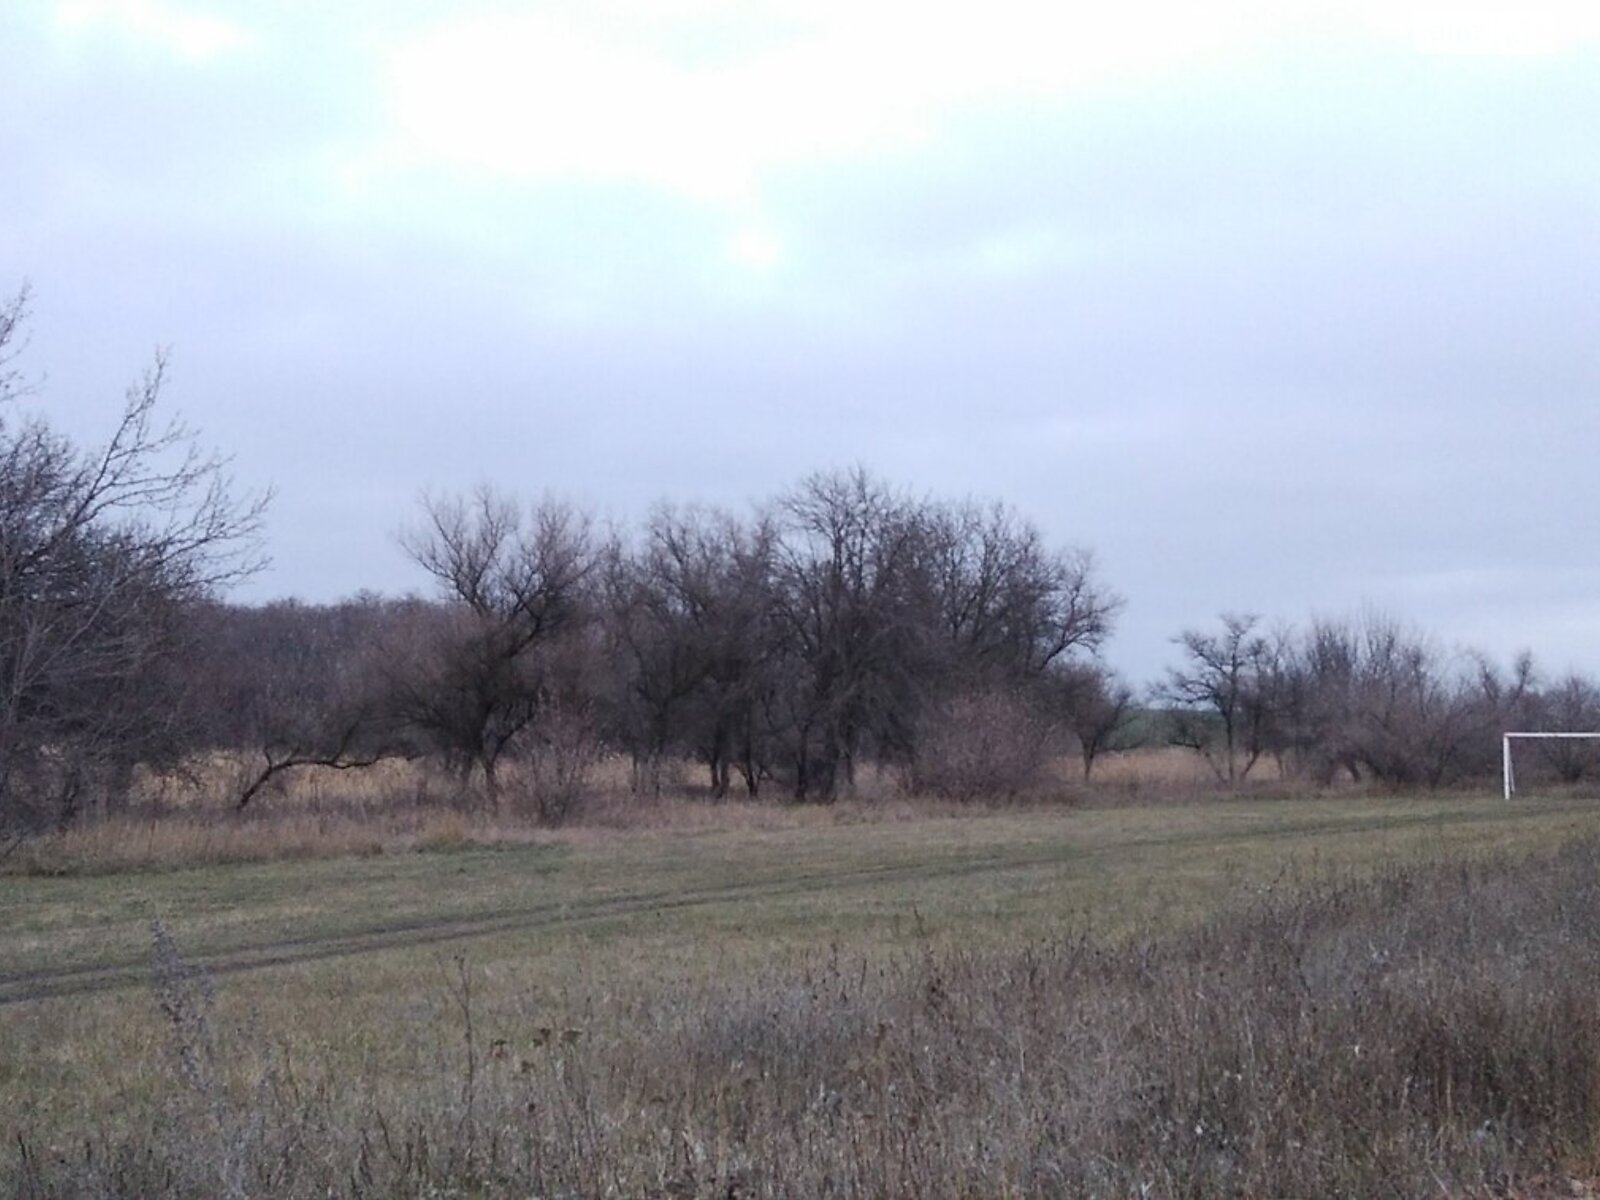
(839, 625)
(1367, 699)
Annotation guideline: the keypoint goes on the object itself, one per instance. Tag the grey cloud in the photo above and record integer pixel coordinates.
(1296, 338)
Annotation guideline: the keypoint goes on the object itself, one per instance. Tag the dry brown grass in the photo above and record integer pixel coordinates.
(208, 783)
(1428, 1032)
(189, 818)
(400, 807)
(1155, 770)
(134, 843)
(211, 783)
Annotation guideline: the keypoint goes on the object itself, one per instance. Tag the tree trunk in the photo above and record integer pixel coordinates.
(491, 782)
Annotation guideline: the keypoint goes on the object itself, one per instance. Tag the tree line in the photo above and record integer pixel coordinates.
(841, 625)
(1365, 699)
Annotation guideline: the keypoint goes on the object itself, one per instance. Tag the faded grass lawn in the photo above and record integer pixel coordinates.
(575, 929)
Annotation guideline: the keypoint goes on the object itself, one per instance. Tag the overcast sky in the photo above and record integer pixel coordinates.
(1288, 308)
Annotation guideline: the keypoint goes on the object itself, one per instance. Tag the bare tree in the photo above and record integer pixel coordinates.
(893, 609)
(100, 552)
(298, 685)
(1318, 712)
(731, 726)
(1373, 699)
(847, 573)
(518, 583)
(688, 616)
(1095, 705)
(1225, 696)
(1572, 705)
(661, 623)
(1007, 606)
(1414, 718)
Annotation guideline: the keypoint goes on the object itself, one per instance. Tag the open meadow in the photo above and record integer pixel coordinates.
(846, 1002)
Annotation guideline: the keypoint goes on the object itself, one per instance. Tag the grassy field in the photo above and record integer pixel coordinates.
(665, 899)
(375, 975)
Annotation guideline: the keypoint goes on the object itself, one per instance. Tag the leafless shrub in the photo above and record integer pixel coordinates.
(101, 551)
(1095, 705)
(1363, 700)
(565, 749)
(988, 745)
(1225, 697)
(217, 1137)
(1572, 705)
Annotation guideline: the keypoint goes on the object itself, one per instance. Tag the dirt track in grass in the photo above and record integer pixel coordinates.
(105, 976)
(520, 890)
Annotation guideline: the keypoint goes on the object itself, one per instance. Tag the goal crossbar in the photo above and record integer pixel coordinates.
(1508, 774)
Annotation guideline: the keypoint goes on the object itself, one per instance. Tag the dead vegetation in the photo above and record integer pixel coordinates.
(1430, 1031)
(187, 817)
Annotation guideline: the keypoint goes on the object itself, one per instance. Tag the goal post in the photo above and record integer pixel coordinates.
(1508, 770)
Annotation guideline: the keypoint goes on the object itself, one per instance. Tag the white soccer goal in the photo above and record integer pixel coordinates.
(1505, 753)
